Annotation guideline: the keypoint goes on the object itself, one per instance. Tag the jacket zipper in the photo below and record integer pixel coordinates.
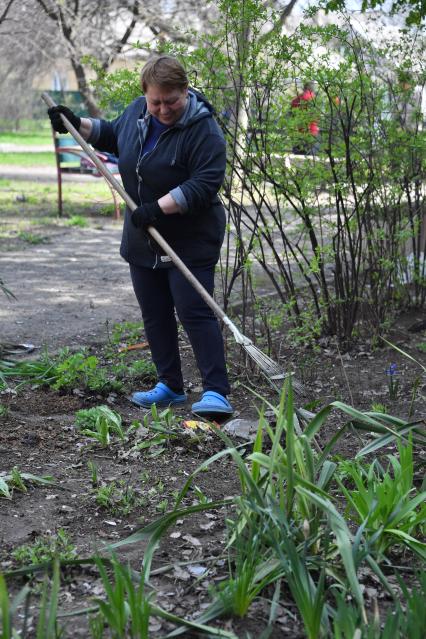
(139, 177)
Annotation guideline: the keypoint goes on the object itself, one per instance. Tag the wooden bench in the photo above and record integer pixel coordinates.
(72, 159)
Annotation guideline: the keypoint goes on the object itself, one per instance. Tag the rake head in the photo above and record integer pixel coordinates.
(272, 371)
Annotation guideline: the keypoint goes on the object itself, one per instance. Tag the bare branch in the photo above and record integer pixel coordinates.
(3, 16)
(285, 13)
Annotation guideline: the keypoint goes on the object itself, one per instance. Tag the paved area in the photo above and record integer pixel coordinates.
(68, 290)
(22, 148)
(39, 174)
(36, 173)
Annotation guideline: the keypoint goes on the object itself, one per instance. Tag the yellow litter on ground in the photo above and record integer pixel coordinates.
(193, 424)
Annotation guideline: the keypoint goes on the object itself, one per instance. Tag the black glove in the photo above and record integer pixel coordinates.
(56, 120)
(146, 214)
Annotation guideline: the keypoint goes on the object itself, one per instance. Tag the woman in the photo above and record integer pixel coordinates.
(172, 162)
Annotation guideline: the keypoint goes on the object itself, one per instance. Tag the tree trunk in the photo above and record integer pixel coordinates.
(84, 89)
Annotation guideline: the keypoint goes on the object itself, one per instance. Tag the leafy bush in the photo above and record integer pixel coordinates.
(336, 232)
(126, 332)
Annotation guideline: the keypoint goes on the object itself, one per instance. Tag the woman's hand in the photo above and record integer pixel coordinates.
(56, 120)
(146, 214)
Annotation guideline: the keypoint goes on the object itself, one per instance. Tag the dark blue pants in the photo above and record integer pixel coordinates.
(161, 291)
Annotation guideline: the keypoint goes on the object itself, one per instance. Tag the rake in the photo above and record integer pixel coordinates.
(270, 369)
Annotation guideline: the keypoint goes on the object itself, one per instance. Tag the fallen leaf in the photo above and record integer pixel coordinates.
(183, 575)
(196, 570)
(192, 540)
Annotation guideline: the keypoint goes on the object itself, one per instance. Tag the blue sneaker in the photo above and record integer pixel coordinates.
(212, 404)
(161, 395)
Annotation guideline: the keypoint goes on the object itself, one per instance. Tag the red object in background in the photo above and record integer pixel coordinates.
(301, 101)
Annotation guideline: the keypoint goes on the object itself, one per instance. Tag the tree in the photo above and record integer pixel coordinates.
(3, 15)
(414, 10)
(36, 34)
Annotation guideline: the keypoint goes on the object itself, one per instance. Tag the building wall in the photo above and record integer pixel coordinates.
(62, 78)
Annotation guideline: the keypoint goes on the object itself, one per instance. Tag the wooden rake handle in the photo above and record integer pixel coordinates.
(151, 230)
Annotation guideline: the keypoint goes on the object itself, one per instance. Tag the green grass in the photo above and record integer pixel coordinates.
(26, 137)
(77, 220)
(26, 126)
(28, 159)
(31, 238)
(41, 201)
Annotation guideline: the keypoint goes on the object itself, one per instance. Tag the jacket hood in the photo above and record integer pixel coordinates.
(198, 107)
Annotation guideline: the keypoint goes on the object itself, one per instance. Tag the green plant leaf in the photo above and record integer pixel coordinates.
(407, 355)
(343, 541)
(4, 489)
(388, 438)
(415, 545)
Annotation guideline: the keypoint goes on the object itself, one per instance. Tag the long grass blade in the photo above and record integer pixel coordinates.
(6, 613)
(154, 531)
(53, 601)
(343, 541)
(419, 547)
(407, 355)
(388, 438)
(290, 447)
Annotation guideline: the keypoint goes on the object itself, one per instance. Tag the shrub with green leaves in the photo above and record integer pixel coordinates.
(77, 220)
(352, 207)
(31, 238)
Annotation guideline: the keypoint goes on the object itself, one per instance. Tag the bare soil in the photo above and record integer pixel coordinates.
(70, 291)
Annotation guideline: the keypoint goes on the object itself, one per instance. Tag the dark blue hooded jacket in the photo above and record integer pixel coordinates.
(187, 161)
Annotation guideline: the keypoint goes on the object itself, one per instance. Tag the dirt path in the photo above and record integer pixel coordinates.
(67, 288)
(39, 174)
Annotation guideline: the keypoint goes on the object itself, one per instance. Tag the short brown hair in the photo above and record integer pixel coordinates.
(164, 71)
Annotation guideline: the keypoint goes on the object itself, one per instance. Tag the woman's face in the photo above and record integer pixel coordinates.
(167, 105)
